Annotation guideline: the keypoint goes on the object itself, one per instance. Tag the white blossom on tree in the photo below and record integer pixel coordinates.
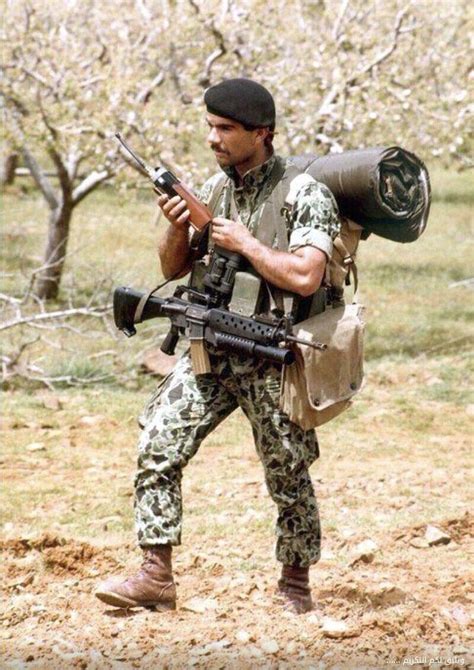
(345, 74)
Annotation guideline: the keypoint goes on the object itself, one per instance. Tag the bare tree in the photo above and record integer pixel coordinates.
(345, 74)
(8, 166)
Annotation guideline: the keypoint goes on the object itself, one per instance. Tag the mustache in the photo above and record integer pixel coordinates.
(216, 147)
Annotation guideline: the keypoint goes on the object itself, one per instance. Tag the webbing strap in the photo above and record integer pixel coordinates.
(283, 299)
(216, 192)
(348, 260)
(272, 227)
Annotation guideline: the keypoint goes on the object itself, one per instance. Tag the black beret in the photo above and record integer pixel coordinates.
(242, 100)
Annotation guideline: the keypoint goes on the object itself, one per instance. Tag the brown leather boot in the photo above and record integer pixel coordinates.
(293, 588)
(151, 586)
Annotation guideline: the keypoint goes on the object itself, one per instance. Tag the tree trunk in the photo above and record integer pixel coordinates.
(48, 280)
(8, 166)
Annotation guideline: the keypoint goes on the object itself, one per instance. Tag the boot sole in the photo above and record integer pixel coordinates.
(116, 600)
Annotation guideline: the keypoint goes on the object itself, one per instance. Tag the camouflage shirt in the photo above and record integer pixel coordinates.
(315, 221)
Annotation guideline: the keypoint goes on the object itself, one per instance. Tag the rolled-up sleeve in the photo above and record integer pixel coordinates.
(315, 219)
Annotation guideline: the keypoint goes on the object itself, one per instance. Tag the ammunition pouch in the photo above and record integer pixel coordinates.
(321, 382)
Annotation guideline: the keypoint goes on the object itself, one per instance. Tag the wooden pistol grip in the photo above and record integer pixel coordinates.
(200, 215)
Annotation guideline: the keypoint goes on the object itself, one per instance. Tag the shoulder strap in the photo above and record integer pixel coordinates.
(216, 192)
(201, 240)
(272, 229)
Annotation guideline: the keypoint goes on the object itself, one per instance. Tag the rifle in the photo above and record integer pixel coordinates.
(204, 316)
(220, 327)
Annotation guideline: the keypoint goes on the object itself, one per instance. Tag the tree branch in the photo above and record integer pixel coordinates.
(221, 50)
(40, 178)
(90, 183)
(62, 172)
(338, 88)
(340, 17)
(37, 77)
(173, 70)
(205, 78)
(144, 95)
(382, 56)
(32, 319)
(72, 163)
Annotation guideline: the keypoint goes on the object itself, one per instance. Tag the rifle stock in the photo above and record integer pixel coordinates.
(125, 306)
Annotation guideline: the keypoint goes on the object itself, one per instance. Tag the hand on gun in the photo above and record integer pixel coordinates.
(175, 210)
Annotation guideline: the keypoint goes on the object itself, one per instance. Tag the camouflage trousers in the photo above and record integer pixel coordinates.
(184, 410)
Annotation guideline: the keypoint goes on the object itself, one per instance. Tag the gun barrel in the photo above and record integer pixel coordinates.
(136, 158)
(249, 347)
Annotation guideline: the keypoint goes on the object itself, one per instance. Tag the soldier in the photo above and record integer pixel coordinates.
(187, 407)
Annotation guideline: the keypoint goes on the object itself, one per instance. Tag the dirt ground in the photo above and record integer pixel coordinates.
(385, 475)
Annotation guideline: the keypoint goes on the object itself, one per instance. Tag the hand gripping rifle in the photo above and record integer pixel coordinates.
(204, 316)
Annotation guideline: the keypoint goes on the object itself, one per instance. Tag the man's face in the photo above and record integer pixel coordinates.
(230, 142)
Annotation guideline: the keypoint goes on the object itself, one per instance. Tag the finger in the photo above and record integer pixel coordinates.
(183, 217)
(172, 202)
(177, 209)
(162, 200)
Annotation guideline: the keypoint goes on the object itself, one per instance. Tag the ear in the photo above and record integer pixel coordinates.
(260, 135)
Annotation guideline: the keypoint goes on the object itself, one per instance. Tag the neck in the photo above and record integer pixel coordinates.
(257, 159)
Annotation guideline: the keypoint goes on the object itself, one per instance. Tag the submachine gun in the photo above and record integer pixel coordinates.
(204, 315)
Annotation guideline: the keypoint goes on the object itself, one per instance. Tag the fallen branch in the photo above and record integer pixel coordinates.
(97, 312)
(468, 283)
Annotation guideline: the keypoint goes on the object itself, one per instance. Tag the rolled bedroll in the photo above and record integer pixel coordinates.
(386, 190)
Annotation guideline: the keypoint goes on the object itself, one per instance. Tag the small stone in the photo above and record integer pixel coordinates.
(269, 646)
(155, 362)
(419, 543)
(199, 605)
(242, 636)
(337, 629)
(387, 594)
(35, 446)
(460, 615)
(364, 552)
(90, 420)
(290, 647)
(51, 402)
(460, 649)
(434, 536)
